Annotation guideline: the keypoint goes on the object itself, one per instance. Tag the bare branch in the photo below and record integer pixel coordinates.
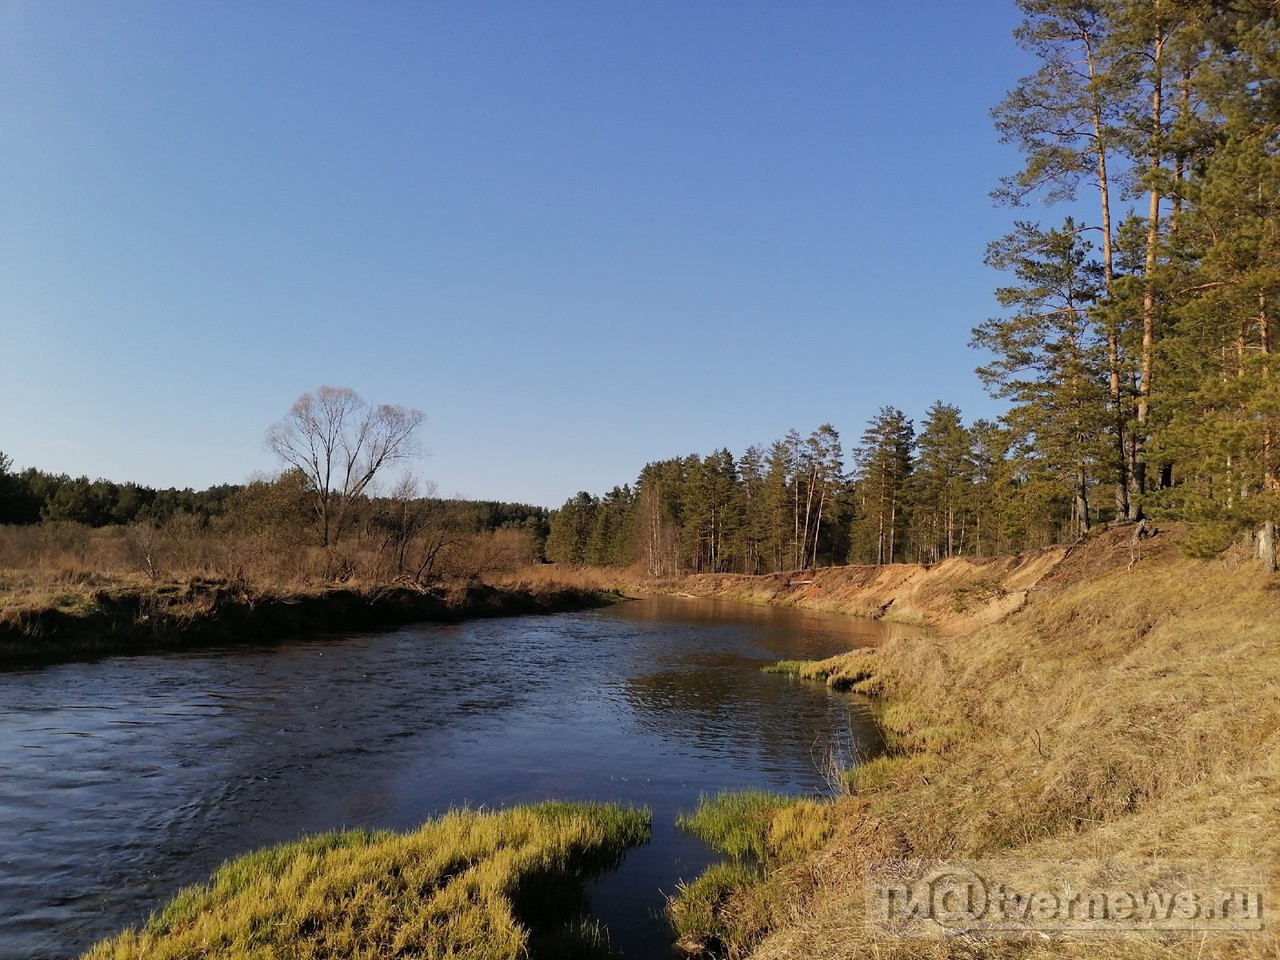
(340, 444)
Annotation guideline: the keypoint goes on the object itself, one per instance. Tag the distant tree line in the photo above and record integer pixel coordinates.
(323, 518)
(946, 490)
(1135, 347)
(32, 496)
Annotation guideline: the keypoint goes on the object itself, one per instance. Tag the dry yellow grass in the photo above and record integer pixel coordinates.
(1128, 711)
(183, 568)
(62, 565)
(69, 591)
(541, 577)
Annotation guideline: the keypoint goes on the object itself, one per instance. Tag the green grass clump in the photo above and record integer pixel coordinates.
(846, 671)
(759, 828)
(731, 905)
(875, 774)
(736, 822)
(791, 668)
(466, 884)
(76, 603)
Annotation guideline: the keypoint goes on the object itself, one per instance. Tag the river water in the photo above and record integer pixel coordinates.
(125, 779)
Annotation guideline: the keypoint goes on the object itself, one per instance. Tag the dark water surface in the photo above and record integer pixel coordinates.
(125, 779)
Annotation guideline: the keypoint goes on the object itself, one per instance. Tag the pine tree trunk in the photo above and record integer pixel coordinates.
(822, 502)
(1270, 470)
(1267, 546)
(1138, 467)
(951, 529)
(1082, 504)
(880, 534)
(1113, 333)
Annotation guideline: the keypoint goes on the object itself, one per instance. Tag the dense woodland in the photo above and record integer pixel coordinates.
(1134, 346)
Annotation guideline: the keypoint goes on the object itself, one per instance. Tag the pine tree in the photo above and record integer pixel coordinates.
(779, 503)
(657, 517)
(712, 511)
(1050, 360)
(942, 481)
(1067, 118)
(571, 528)
(612, 538)
(1164, 138)
(1220, 415)
(882, 468)
(821, 475)
(755, 515)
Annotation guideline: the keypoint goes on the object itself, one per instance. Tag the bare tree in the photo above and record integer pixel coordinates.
(418, 529)
(340, 442)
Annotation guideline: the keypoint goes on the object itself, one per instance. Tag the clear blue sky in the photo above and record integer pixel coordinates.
(580, 236)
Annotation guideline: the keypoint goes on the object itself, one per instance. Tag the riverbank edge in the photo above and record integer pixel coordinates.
(203, 614)
(1117, 639)
(951, 597)
(954, 596)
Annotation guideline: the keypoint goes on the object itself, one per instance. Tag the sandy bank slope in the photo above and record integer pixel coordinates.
(1130, 710)
(953, 596)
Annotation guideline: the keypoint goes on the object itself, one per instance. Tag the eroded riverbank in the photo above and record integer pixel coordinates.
(954, 596)
(1126, 712)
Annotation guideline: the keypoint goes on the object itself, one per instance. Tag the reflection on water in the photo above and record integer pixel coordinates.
(126, 779)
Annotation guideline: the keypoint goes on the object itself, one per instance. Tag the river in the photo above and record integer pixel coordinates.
(127, 778)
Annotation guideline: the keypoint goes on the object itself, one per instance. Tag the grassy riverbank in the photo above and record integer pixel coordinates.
(55, 617)
(1129, 710)
(486, 886)
(68, 591)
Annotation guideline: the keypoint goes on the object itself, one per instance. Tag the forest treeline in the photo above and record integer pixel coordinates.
(949, 489)
(1134, 346)
(33, 496)
(265, 530)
